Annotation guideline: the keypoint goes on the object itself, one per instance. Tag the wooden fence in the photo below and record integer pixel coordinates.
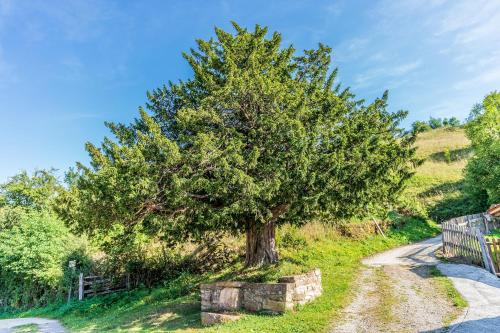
(464, 242)
(493, 245)
(463, 238)
(97, 285)
(480, 221)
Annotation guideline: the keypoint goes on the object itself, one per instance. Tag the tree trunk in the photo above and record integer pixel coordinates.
(261, 244)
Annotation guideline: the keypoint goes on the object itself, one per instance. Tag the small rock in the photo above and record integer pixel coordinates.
(211, 318)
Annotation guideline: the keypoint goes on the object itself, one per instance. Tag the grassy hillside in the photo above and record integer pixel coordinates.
(434, 191)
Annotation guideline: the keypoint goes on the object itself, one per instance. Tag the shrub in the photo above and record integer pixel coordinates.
(482, 173)
(32, 255)
(291, 238)
(435, 123)
(447, 155)
(420, 126)
(453, 122)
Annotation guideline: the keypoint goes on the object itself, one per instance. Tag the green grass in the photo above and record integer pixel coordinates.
(386, 298)
(495, 233)
(446, 287)
(176, 306)
(29, 328)
(436, 190)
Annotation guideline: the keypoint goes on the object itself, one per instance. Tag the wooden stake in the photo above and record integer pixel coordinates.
(80, 287)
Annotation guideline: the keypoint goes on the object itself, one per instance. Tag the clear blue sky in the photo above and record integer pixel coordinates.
(68, 66)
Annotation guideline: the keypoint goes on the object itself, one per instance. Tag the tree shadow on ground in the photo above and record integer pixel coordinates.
(451, 205)
(443, 188)
(180, 315)
(171, 317)
(465, 271)
(451, 155)
(485, 325)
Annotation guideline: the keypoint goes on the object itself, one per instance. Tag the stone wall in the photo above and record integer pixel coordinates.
(227, 297)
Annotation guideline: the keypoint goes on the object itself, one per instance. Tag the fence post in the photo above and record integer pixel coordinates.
(488, 262)
(80, 287)
(445, 237)
(485, 221)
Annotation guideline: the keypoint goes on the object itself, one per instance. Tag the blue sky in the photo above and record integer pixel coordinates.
(68, 66)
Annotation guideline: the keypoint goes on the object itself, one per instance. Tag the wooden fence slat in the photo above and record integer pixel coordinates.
(496, 245)
(463, 237)
(489, 265)
(97, 285)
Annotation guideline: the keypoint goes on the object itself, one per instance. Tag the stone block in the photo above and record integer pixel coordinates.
(229, 299)
(211, 318)
(278, 297)
(274, 306)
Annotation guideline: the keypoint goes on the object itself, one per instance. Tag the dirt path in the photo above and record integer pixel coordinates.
(44, 325)
(395, 294)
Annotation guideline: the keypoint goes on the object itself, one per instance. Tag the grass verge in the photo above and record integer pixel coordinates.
(176, 305)
(446, 287)
(382, 312)
(30, 328)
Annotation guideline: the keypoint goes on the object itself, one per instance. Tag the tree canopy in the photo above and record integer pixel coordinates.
(258, 136)
(36, 191)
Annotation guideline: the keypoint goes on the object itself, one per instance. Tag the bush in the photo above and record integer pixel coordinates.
(482, 173)
(420, 126)
(33, 253)
(453, 122)
(435, 123)
(292, 238)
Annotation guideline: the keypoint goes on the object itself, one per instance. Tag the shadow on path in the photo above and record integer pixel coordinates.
(484, 325)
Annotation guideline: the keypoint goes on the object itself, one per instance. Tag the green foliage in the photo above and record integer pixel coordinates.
(453, 122)
(10, 216)
(36, 191)
(435, 122)
(35, 246)
(291, 238)
(176, 306)
(420, 126)
(447, 155)
(482, 173)
(257, 135)
(32, 255)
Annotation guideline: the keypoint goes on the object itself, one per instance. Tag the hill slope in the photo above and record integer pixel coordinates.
(435, 190)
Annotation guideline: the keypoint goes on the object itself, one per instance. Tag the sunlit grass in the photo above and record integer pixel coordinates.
(436, 190)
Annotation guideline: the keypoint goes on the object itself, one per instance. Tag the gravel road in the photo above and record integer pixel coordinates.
(480, 288)
(44, 325)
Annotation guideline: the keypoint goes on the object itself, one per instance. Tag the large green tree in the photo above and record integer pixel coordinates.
(257, 137)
